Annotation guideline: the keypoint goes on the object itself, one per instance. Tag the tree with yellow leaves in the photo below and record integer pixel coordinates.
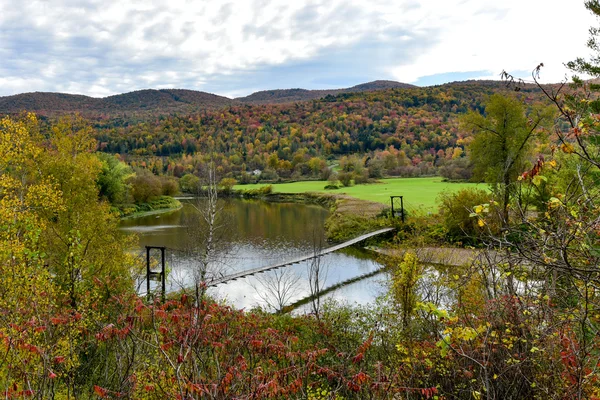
(61, 257)
(87, 252)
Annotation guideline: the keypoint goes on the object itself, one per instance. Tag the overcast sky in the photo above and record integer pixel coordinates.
(233, 48)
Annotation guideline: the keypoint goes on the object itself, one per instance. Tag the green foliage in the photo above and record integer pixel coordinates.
(256, 192)
(82, 240)
(144, 186)
(168, 186)
(62, 259)
(112, 179)
(352, 163)
(456, 169)
(456, 209)
(189, 183)
(227, 184)
(269, 175)
(332, 179)
(503, 140)
(156, 205)
(589, 66)
(341, 227)
(362, 178)
(404, 282)
(376, 169)
(346, 178)
(503, 143)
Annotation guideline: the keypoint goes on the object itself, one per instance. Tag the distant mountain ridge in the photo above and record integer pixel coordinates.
(167, 100)
(291, 95)
(152, 102)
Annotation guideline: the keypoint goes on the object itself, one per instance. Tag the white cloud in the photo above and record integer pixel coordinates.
(514, 35)
(101, 47)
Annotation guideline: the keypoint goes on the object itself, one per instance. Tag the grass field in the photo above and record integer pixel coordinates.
(419, 193)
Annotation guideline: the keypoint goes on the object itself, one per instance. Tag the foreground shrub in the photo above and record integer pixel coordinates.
(456, 209)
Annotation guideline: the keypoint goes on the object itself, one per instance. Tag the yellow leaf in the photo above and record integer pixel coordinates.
(567, 148)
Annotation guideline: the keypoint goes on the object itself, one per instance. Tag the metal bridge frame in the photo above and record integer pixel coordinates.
(154, 275)
(395, 211)
(249, 272)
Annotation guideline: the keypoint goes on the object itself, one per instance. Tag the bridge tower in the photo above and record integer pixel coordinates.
(156, 275)
(397, 207)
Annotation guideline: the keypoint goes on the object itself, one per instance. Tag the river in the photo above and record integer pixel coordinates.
(254, 233)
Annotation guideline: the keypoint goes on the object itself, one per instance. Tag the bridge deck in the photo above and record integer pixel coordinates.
(249, 272)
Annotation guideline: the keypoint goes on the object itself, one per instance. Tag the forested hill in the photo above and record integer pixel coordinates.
(163, 101)
(149, 102)
(410, 131)
(293, 95)
(413, 129)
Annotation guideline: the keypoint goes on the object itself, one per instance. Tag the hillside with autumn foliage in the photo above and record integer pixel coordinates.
(295, 95)
(398, 132)
(140, 102)
(389, 128)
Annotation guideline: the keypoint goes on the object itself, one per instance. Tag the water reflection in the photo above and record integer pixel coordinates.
(255, 234)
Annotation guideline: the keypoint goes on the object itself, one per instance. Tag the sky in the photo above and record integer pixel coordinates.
(234, 48)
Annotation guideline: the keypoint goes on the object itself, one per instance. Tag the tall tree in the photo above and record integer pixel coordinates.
(85, 247)
(208, 233)
(61, 259)
(503, 142)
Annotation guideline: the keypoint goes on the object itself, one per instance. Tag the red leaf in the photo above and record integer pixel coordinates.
(358, 358)
(101, 392)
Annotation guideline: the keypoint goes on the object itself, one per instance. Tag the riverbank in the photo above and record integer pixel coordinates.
(160, 205)
(339, 203)
(450, 256)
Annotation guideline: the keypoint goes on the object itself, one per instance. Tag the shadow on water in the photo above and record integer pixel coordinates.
(333, 288)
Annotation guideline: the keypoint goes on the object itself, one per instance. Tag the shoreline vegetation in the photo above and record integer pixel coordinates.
(420, 194)
(159, 205)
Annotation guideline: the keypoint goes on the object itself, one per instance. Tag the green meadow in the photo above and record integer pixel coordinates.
(419, 193)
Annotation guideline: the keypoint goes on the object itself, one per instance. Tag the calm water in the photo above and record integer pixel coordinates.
(254, 234)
